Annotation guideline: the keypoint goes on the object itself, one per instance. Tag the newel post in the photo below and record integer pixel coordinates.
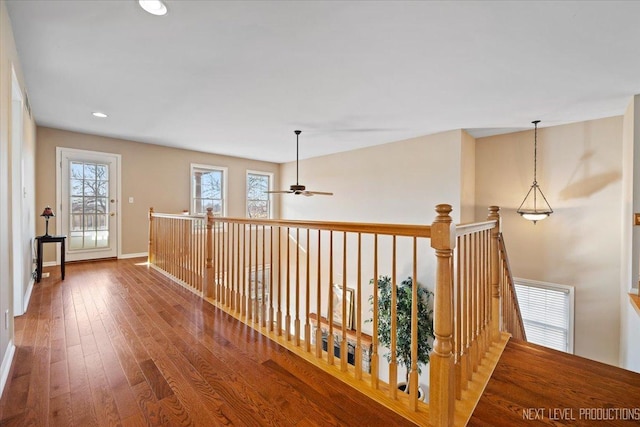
(495, 273)
(151, 257)
(210, 273)
(441, 391)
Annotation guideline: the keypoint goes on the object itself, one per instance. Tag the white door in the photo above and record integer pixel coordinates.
(88, 203)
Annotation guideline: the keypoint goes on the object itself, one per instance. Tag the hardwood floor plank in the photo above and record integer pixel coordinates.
(60, 413)
(103, 401)
(156, 381)
(59, 382)
(81, 406)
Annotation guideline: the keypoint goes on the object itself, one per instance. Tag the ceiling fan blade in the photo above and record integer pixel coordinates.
(318, 193)
(279, 192)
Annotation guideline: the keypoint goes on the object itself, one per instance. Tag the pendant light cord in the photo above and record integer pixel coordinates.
(297, 132)
(535, 151)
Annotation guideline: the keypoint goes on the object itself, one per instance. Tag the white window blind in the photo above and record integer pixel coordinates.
(547, 313)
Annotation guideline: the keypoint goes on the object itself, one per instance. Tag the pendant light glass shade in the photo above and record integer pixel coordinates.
(535, 207)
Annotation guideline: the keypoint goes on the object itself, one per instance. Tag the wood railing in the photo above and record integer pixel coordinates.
(311, 286)
(177, 247)
(511, 316)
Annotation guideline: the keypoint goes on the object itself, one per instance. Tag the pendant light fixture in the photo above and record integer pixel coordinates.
(535, 207)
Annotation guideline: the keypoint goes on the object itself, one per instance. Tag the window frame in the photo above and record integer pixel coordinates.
(270, 175)
(199, 167)
(567, 290)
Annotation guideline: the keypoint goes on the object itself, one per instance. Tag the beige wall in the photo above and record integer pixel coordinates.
(580, 172)
(155, 176)
(399, 182)
(16, 160)
(468, 179)
(629, 318)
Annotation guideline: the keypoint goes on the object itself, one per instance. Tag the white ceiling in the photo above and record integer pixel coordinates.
(238, 77)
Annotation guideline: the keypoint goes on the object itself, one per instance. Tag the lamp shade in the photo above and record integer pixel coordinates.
(47, 213)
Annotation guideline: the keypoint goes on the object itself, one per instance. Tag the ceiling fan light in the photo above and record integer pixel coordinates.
(154, 7)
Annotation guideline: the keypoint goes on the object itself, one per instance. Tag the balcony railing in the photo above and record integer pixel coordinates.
(311, 286)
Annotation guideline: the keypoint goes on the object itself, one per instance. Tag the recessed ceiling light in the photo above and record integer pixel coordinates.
(99, 114)
(154, 7)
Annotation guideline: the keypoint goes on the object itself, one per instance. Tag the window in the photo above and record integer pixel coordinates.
(258, 200)
(547, 313)
(208, 189)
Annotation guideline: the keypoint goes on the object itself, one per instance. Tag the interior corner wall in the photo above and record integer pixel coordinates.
(580, 172)
(468, 180)
(629, 318)
(153, 175)
(9, 61)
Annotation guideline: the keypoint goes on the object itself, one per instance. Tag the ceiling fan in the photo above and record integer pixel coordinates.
(297, 188)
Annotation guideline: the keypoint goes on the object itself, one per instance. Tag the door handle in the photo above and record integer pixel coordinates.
(113, 214)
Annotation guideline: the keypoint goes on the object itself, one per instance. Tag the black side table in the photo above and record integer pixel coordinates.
(49, 239)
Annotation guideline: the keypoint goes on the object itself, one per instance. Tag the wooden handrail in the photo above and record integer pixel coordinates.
(511, 315)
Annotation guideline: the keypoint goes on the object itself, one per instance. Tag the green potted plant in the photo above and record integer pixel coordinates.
(403, 322)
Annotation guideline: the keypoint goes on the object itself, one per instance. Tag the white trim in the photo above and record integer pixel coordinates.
(567, 289)
(5, 368)
(27, 295)
(246, 185)
(59, 152)
(225, 178)
(138, 255)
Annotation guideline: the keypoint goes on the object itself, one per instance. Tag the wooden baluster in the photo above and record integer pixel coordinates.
(287, 294)
(495, 296)
(441, 390)
(413, 372)
(344, 347)
(211, 272)
(297, 313)
(307, 325)
(238, 279)
(243, 273)
(393, 363)
(358, 308)
(263, 302)
(279, 313)
(270, 328)
(466, 367)
(330, 342)
(250, 282)
(319, 299)
(151, 254)
(231, 291)
(255, 301)
(458, 319)
(375, 381)
(475, 345)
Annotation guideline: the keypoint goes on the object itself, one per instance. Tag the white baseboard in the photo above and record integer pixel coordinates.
(5, 368)
(138, 255)
(27, 296)
(49, 264)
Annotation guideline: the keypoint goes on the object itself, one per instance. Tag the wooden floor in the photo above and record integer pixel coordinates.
(116, 343)
(533, 385)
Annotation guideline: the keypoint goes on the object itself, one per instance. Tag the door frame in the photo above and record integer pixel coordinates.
(59, 153)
